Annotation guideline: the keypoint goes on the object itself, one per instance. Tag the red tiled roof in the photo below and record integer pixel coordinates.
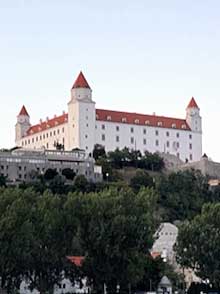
(23, 111)
(141, 119)
(119, 117)
(77, 260)
(81, 82)
(155, 254)
(51, 123)
(192, 103)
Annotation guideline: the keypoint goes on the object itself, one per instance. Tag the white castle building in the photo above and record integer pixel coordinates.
(83, 126)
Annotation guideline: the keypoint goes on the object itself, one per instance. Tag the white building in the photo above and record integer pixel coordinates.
(83, 126)
(165, 239)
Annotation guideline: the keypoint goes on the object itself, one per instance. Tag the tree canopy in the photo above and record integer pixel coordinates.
(198, 244)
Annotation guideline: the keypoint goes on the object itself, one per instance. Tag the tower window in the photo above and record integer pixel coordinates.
(144, 131)
(168, 134)
(144, 141)
(190, 146)
(117, 138)
(168, 144)
(157, 142)
(103, 137)
(117, 128)
(132, 140)
(190, 136)
(156, 133)
(177, 135)
(103, 127)
(132, 130)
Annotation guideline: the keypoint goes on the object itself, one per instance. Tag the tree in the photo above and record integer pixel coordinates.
(81, 183)
(98, 152)
(198, 244)
(182, 194)
(50, 173)
(68, 173)
(2, 181)
(141, 179)
(34, 239)
(115, 231)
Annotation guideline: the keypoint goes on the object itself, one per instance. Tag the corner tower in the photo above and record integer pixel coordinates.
(193, 117)
(22, 125)
(194, 121)
(81, 116)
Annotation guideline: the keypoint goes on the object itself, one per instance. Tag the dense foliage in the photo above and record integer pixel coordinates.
(198, 245)
(112, 229)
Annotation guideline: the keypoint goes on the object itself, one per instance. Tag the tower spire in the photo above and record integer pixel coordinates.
(81, 82)
(23, 111)
(192, 104)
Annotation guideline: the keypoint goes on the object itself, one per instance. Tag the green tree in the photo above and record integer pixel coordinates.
(2, 181)
(81, 183)
(50, 173)
(141, 179)
(182, 194)
(198, 244)
(68, 173)
(98, 152)
(115, 231)
(34, 239)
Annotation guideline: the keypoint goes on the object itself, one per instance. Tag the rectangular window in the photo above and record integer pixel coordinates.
(168, 144)
(190, 136)
(132, 130)
(103, 127)
(190, 146)
(117, 128)
(117, 138)
(43, 136)
(32, 140)
(144, 141)
(47, 145)
(54, 133)
(132, 140)
(177, 144)
(58, 131)
(168, 134)
(177, 135)
(190, 157)
(103, 137)
(156, 133)
(144, 131)
(157, 142)
(63, 130)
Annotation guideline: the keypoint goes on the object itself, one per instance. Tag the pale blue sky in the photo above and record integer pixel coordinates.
(140, 56)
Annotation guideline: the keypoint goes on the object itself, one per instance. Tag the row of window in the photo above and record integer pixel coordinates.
(145, 132)
(147, 122)
(43, 136)
(176, 145)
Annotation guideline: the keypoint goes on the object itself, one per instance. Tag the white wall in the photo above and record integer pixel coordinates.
(138, 135)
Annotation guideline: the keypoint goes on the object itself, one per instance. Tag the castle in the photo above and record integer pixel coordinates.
(83, 126)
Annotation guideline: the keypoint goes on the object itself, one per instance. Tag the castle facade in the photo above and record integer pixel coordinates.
(84, 125)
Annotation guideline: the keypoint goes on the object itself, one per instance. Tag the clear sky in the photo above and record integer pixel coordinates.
(137, 55)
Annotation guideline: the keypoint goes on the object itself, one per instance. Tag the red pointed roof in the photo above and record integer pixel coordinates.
(77, 260)
(81, 82)
(192, 103)
(23, 111)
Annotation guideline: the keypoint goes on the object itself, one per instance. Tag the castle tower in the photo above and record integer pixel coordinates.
(81, 116)
(22, 125)
(193, 117)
